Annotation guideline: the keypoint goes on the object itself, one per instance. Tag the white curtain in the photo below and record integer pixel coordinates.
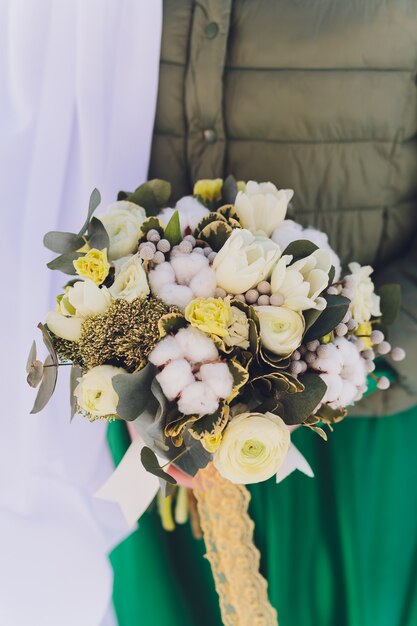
(78, 85)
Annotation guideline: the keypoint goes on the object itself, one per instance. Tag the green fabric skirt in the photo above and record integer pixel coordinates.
(337, 550)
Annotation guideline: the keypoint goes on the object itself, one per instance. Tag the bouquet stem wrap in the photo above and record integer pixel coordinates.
(234, 559)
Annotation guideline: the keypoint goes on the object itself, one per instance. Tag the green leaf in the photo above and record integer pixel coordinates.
(152, 195)
(212, 424)
(94, 201)
(332, 274)
(171, 323)
(47, 388)
(152, 223)
(297, 407)
(300, 249)
(98, 237)
(62, 242)
(229, 190)
(216, 234)
(390, 302)
(65, 262)
(150, 463)
(332, 315)
(134, 392)
(173, 230)
(31, 357)
(48, 344)
(310, 317)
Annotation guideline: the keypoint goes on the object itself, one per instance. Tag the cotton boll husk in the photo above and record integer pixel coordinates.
(175, 377)
(198, 399)
(203, 285)
(178, 295)
(218, 377)
(162, 275)
(186, 266)
(165, 350)
(196, 346)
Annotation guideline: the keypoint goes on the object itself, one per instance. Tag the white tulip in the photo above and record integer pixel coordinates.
(365, 302)
(301, 283)
(122, 221)
(81, 300)
(281, 328)
(95, 392)
(244, 261)
(253, 447)
(262, 207)
(130, 281)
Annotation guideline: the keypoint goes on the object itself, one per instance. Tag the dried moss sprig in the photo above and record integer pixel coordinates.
(122, 336)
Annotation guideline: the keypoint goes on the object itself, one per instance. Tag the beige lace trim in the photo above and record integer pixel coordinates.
(234, 559)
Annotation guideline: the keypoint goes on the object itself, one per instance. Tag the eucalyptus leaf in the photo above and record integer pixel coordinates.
(152, 195)
(173, 230)
(75, 374)
(65, 263)
(297, 407)
(47, 388)
(300, 249)
(390, 295)
(134, 391)
(31, 356)
(151, 464)
(310, 317)
(229, 190)
(93, 203)
(48, 344)
(98, 237)
(35, 373)
(332, 315)
(62, 242)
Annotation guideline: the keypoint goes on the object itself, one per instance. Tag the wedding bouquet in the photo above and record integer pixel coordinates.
(214, 326)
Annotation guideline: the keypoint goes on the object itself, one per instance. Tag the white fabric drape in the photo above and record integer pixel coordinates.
(78, 85)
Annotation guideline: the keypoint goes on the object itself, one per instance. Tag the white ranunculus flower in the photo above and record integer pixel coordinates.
(81, 300)
(123, 221)
(95, 392)
(130, 281)
(262, 207)
(365, 302)
(190, 213)
(301, 283)
(244, 261)
(290, 231)
(281, 328)
(253, 447)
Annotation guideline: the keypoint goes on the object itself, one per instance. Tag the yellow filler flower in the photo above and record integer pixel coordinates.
(209, 189)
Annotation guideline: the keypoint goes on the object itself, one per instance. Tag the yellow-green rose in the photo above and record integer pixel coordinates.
(253, 447)
(94, 265)
(210, 315)
(209, 189)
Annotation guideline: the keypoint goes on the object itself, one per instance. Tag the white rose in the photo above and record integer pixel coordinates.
(301, 283)
(262, 207)
(130, 281)
(123, 221)
(244, 261)
(253, 447)
(365, 302)
(281, 328)
(95, 392)
(81, 300)
(190, 213)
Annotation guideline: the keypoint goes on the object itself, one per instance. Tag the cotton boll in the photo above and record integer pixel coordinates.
(162, 275)
(196, 346)
(179, 295)
(334, 387)
(331, 364)
(198, 399)
(348, 394)
(165, 350)
(175, 377)
(192, 209)
(186, 266)
(203, 285)
(218, 377)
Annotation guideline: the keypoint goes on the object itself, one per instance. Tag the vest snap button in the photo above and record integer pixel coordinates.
(211, 30)
(210, 135)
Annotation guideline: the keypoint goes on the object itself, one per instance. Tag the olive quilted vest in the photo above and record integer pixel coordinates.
(319, 96)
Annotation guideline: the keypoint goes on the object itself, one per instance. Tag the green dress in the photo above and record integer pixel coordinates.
(339, 549)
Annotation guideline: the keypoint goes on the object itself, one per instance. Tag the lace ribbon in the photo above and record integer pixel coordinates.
(234, 559)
